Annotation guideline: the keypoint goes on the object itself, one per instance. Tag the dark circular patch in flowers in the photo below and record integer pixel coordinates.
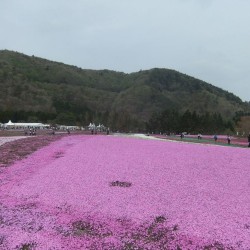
(160, 219)
(27, 246)
(120, 184)
(2, 239)
(83, 227)
(87, 228)
(58, 154)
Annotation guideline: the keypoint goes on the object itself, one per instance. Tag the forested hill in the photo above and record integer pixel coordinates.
(35, 89)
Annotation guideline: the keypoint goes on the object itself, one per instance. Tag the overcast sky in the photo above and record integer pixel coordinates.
(207, 39)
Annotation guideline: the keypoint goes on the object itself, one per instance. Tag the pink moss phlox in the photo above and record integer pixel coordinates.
(183, 196)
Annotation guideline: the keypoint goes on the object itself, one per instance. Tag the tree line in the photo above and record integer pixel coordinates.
(168, 121)
(117, 121)
(171, 121)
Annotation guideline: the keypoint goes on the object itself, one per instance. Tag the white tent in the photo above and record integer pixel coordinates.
(9, 124)
(30, 124)
(91, 126)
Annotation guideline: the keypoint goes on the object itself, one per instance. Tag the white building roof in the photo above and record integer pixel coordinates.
(25, 124)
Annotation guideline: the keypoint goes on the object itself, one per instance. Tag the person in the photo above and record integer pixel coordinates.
(215, 138)
(182, 135)
(199, 136)
(228, 139)
(33, 131)
(108, 131)
(248, 140)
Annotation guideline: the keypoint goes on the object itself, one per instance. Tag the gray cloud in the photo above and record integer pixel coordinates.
(209, 39)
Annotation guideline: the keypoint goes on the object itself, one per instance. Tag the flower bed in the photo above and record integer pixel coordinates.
(208, 139)
(18, 147)
(104, 192)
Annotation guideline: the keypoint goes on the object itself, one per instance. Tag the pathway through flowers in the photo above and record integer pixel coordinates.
(4, 140)
(104, 192)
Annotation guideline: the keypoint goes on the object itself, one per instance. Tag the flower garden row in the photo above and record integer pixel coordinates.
(208, 139)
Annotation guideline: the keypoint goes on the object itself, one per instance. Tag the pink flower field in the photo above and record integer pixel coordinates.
(106, 192)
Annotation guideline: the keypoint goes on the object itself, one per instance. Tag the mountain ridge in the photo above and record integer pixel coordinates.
(76, 95)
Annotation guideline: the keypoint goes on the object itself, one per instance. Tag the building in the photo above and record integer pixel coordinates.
(24, 125)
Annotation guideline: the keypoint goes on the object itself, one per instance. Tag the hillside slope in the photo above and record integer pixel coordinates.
(38, 89)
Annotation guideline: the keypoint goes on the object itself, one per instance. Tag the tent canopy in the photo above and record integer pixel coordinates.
(25, 124)
(9, 123)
